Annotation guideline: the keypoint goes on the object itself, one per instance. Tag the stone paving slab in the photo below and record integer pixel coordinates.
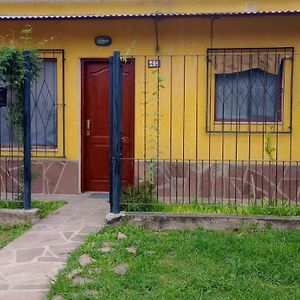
(29, 262)
(22, 295)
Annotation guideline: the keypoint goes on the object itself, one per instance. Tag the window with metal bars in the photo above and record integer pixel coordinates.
(248, 85)
(252, 95)
(43, 107)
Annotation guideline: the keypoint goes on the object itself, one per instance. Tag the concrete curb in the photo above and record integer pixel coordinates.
(18, 216)
(208, 221)
(112, 218)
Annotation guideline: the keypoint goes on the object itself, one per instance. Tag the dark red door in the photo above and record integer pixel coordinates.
(95, 124)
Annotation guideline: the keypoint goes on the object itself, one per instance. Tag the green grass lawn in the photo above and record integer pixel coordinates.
(198, 264)
(284, 210)
(144, 198)
(45, 207)
(252, 209)
(10, 232)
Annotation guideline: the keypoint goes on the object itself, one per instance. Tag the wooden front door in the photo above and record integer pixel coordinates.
(95, 124)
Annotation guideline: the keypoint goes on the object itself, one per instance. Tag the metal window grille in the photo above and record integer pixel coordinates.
(249, 89)
(48, 106)
(47, 124)
(47, 110)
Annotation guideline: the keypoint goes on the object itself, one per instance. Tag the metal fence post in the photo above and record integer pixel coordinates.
(27, 134)
(111, 116)
(115, 131)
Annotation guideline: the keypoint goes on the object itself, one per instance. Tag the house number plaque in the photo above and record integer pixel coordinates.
(154, 63)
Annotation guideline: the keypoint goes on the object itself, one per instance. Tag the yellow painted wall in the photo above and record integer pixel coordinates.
(177, 36)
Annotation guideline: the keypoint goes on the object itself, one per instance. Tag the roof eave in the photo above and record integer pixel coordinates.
(145, 15)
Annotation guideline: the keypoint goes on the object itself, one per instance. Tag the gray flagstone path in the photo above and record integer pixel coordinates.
(30, 262)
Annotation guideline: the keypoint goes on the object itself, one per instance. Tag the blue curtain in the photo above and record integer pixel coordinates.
(249, 95)
(43, 109)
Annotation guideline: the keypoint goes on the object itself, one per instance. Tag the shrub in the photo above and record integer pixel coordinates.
(138, 198)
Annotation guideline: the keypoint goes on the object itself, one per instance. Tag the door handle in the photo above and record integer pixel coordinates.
(88, 127)
(121, 145)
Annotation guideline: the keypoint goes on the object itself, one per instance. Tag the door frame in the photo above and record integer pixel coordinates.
(83, 62)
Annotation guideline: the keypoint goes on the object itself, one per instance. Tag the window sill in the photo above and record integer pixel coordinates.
(236, 122)
(33, 149)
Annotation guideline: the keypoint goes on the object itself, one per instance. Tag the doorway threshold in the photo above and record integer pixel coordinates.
(99, 195)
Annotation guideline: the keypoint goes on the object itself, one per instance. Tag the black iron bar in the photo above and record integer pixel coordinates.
(189, 181)
(290, 138)
(270, 178)
(27, 134)
(138, 174)
(176, 178)
(223, 133)
(229, 182)
(183, 128)
(216, 180)
(255, 183)
(145, 119)
(171, 126)
(209, 111)
(282, 180)
(116, 102)
(164, 180)
(242, 187)
(157, 127)
(264, 129)
(296, 186)
(197, 122)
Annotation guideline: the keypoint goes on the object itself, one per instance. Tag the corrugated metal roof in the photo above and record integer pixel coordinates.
(145, 15)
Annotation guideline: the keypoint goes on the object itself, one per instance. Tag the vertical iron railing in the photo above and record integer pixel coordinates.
(115, 131)
(215, 128)
(27, 134)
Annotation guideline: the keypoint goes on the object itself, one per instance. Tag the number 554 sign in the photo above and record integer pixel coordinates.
(154, 63)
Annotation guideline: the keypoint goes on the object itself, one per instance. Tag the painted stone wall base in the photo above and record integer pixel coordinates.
(55, 177)
(216, 180)
(209, 221)
(48, 176)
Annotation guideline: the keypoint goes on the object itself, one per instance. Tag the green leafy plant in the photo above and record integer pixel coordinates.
(269, 148)
(155, 121)
(270, 151)
(12, 74)
(124, 58)
(138, 198)
(143, 197)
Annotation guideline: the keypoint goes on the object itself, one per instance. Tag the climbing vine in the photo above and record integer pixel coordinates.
(269, 148)
(155, 119)
(12, 77)
(144, 195)
(12, 74)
